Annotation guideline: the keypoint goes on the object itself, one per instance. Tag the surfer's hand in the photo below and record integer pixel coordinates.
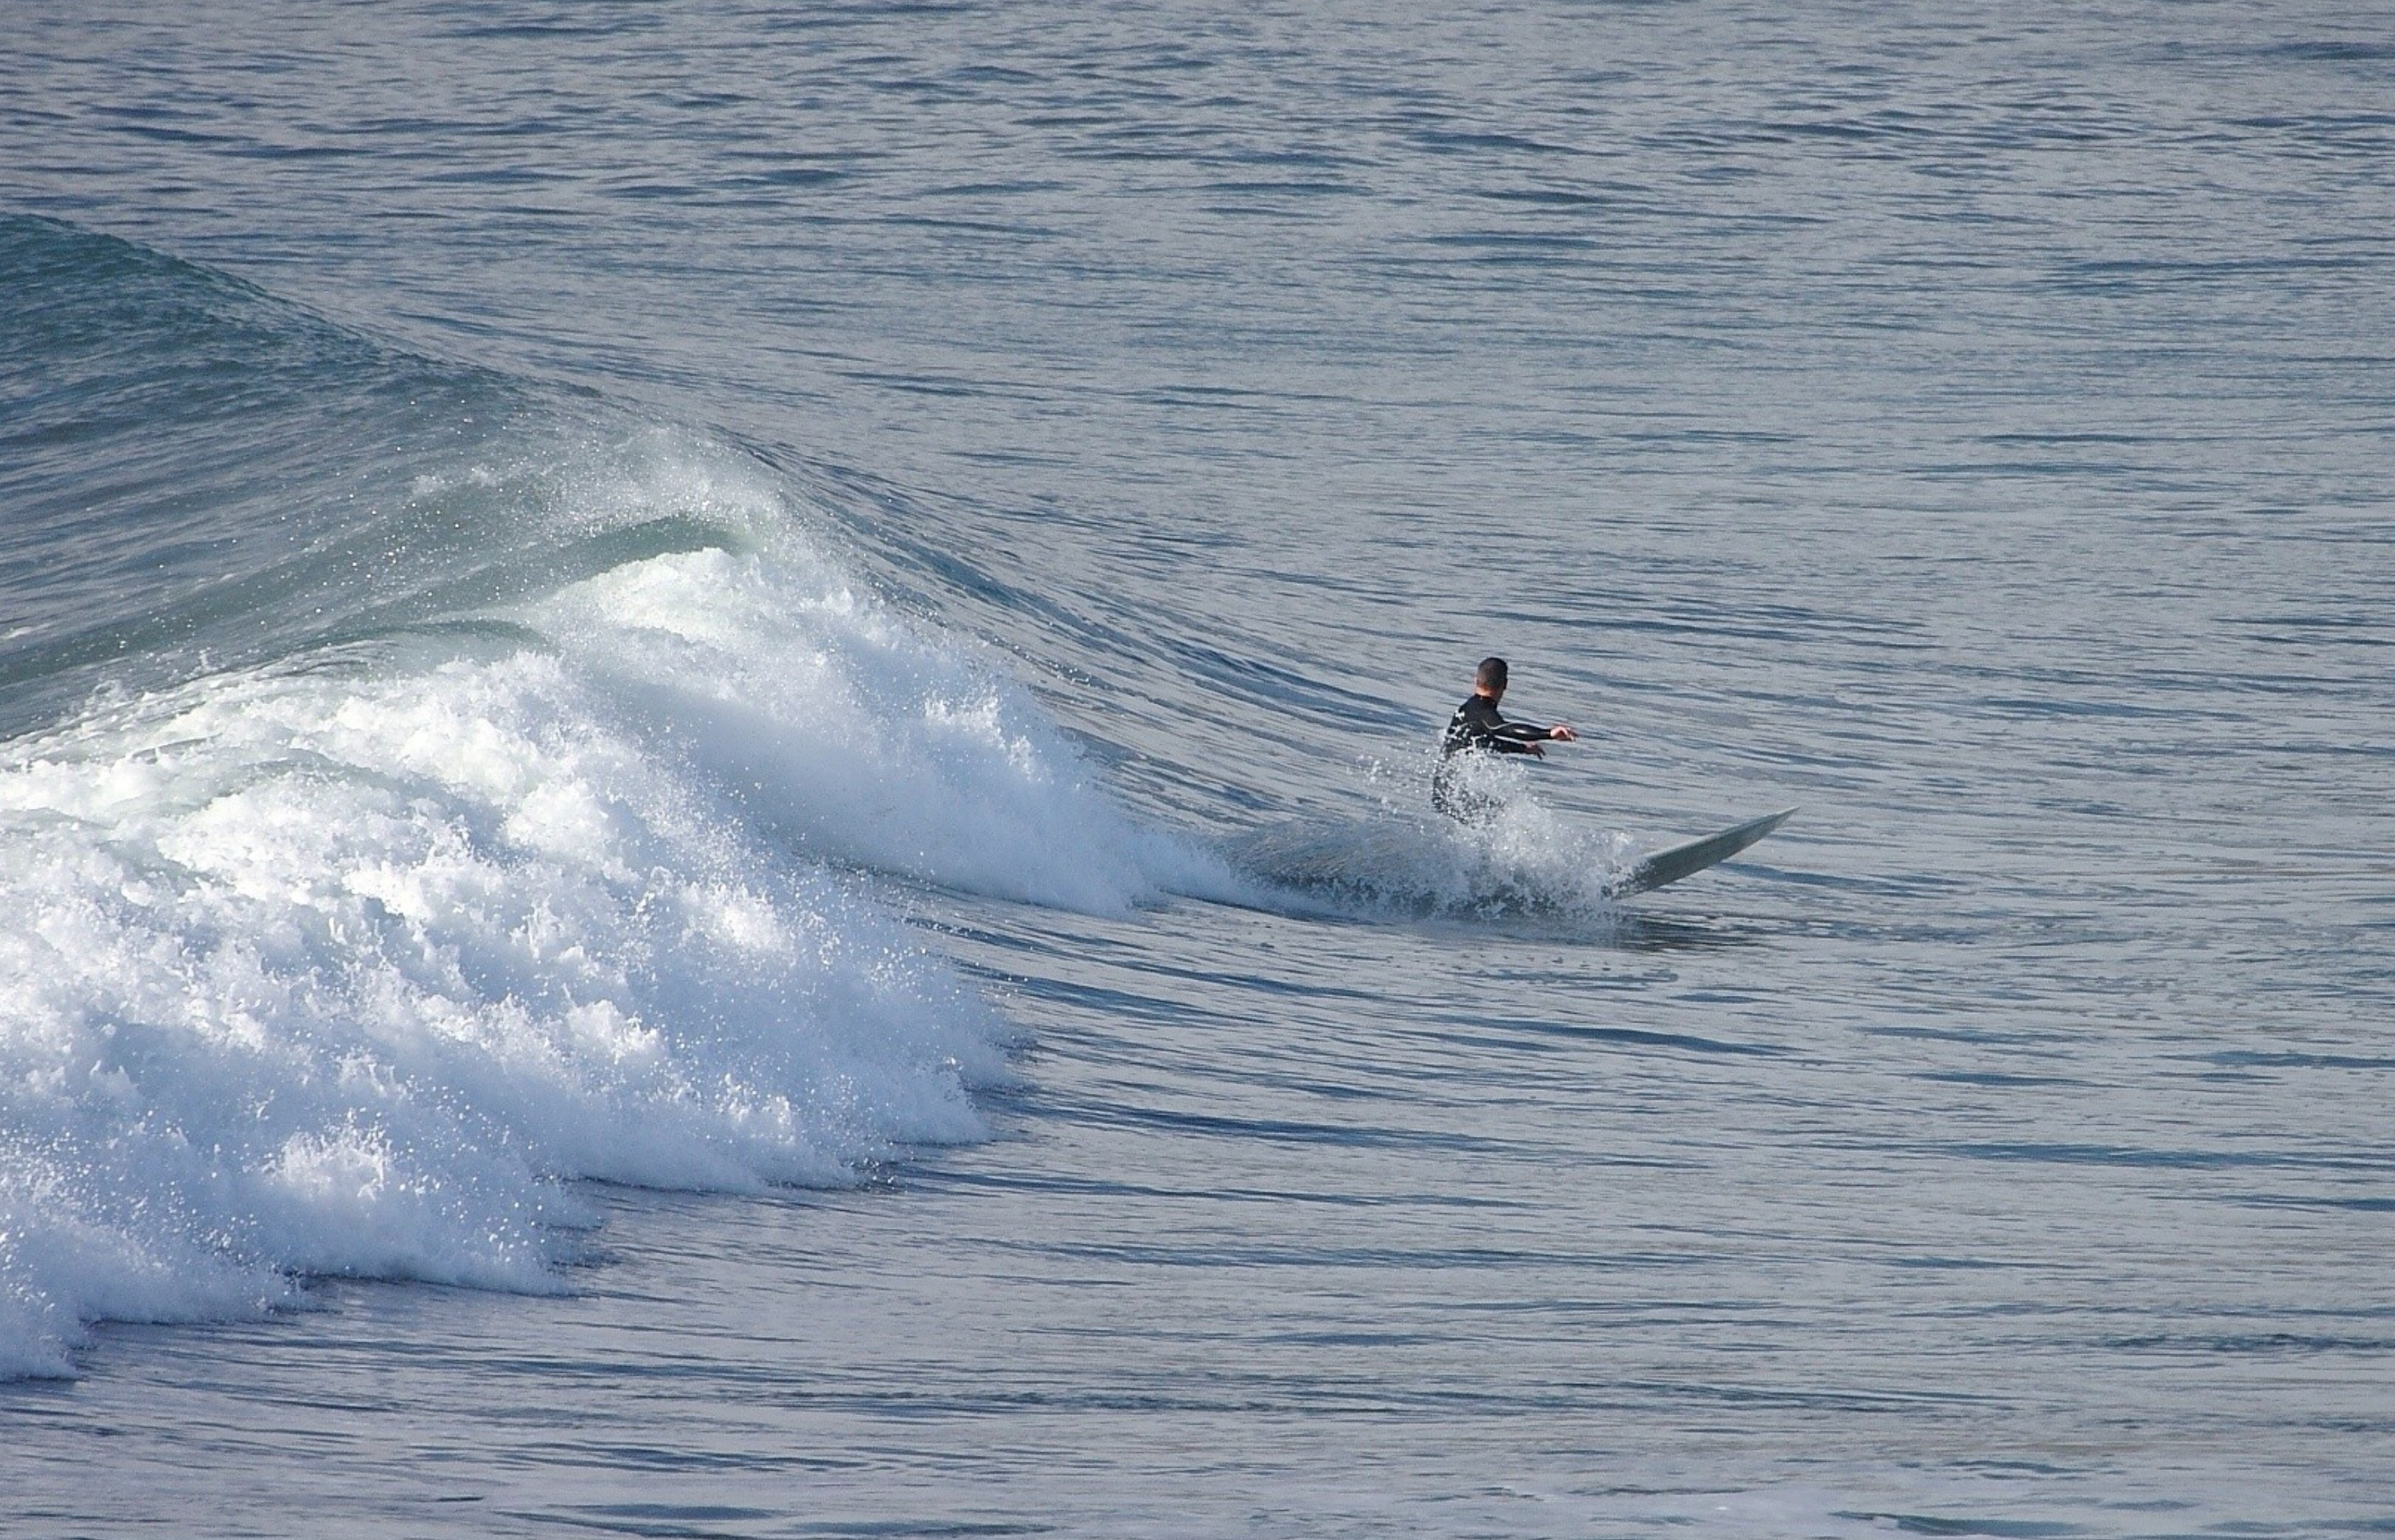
(1536, 752)
(1562, 734)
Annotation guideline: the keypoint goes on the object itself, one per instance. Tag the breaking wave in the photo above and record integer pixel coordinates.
(465, 793)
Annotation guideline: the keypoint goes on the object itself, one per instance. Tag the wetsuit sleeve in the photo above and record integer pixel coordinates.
(1512, 737)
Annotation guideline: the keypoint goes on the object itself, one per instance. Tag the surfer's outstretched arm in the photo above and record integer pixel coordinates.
(1530, 737)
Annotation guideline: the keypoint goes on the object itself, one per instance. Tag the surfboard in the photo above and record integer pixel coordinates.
(1671, 864)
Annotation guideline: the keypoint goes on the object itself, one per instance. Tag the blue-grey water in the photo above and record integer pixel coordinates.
(713, 731)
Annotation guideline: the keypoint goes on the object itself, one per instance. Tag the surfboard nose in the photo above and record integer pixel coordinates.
(1672, 863)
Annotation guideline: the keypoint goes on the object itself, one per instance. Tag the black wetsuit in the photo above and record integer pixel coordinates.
(1475, 728)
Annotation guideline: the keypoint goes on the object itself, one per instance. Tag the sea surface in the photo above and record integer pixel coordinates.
(714, 724)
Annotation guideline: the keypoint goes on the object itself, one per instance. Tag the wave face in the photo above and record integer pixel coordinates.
(422, 793)
(198, 476)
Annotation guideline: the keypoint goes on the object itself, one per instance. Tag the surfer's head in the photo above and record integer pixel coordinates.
(1489, 677)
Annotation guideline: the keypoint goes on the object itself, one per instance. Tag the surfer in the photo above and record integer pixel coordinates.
(1476, 731)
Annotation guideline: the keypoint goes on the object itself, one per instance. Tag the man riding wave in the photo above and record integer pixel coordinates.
(1475, 733)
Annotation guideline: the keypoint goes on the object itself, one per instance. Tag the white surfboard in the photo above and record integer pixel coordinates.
(1671, 864)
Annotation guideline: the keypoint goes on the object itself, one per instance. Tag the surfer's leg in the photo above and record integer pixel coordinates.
(1439, 788)
(1453, 797)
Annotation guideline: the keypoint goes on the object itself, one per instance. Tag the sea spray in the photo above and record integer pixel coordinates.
(1520, 859)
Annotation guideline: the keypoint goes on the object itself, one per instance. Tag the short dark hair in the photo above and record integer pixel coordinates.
(1490, 675)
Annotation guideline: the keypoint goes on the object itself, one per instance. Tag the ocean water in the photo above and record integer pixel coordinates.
(714, 725)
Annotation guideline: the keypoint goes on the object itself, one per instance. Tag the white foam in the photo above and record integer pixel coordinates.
(858, 740)
(347, 971)
(1521, 858)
